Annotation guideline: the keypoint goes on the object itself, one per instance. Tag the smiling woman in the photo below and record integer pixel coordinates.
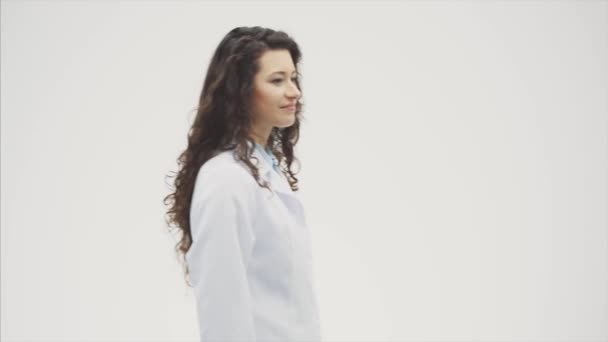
(245, 241)
(275, 95)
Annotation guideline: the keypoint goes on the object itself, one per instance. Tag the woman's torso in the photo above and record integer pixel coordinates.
(277, 261)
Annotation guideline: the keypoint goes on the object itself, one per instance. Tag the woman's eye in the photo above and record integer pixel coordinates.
(279, 80)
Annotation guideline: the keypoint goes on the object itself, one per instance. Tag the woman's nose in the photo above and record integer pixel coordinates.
(293, 91)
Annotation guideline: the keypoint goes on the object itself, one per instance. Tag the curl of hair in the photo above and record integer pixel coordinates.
(223, 122)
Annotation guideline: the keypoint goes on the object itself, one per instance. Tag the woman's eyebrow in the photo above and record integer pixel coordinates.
(283, 72)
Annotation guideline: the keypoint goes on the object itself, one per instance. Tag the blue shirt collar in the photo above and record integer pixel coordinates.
(267, 154)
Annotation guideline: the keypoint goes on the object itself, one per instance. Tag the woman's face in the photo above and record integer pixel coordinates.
(274, 90)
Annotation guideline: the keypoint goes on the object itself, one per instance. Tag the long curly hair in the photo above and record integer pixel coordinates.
(224, 120)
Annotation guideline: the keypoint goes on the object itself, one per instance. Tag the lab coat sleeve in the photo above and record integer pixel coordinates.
(222, 238)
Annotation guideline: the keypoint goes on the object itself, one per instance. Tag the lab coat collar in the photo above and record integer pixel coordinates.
(278, 184)
(277, 181)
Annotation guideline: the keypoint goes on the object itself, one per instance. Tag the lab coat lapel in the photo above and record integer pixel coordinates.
(280, 186)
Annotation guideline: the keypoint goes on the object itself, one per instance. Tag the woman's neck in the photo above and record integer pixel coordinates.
(259, 141)
(260, 134)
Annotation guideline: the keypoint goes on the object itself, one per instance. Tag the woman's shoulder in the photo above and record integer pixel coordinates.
(224, 170)
(221, 182)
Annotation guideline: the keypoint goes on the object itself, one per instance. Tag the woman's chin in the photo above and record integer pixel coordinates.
(286, 123)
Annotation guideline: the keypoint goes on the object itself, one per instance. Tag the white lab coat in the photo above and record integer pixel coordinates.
(250, 260)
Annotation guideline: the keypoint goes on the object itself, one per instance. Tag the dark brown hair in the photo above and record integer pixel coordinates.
(223, 121)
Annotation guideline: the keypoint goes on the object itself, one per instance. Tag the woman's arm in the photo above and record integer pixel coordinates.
(222, 239)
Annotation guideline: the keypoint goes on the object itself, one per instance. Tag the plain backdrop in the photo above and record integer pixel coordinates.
(453, 165)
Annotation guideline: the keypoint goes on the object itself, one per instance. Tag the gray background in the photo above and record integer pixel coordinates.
(454, 165)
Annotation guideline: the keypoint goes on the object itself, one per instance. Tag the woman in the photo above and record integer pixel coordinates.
(244, 236)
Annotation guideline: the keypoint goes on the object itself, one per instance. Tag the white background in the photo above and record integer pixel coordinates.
(454, 165)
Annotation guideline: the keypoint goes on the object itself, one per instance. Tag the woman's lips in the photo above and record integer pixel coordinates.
(290, 108)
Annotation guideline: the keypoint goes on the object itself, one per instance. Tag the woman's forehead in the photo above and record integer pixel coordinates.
(276, 61)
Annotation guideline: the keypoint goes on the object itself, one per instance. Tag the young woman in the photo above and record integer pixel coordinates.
(245, 241)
